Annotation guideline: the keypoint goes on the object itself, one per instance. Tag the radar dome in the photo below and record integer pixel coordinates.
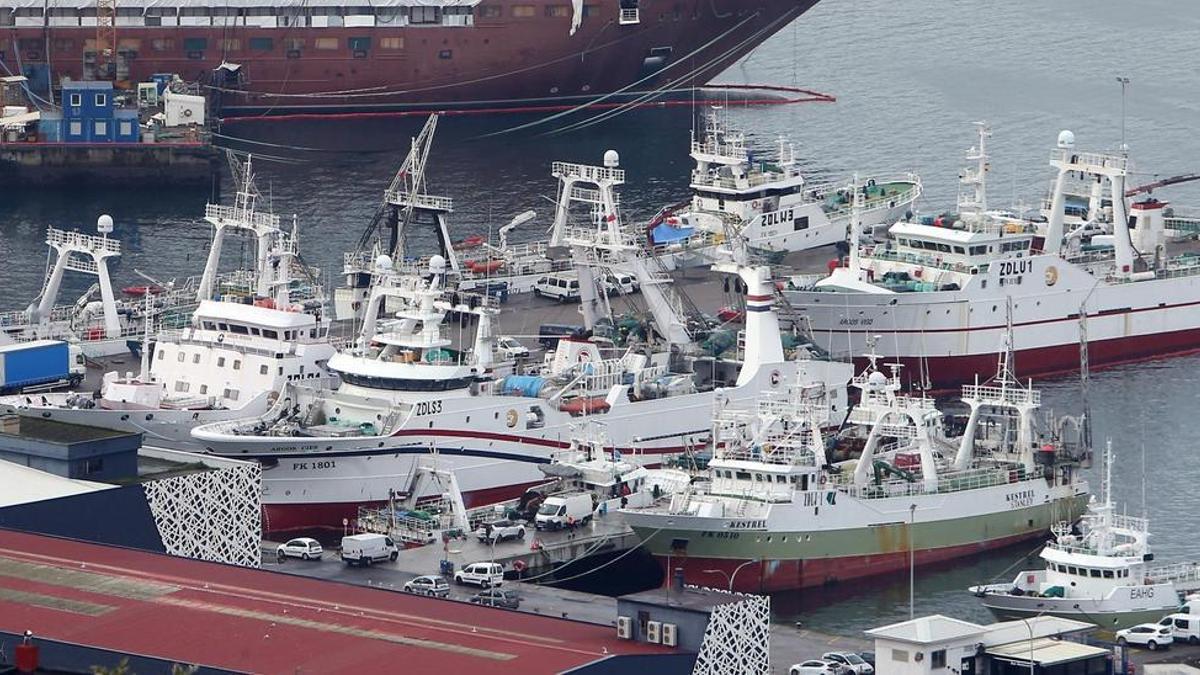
(1066, 139)
(877, 380)
(437, 264)
(612, 159)
(383, 263)
(104, 224)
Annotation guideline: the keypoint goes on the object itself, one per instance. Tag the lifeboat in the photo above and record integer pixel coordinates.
(585, 405)
(473, 241)
(139, 291)
(727, 314)
(484, 266)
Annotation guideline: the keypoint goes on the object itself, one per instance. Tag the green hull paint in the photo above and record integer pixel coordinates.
(866, 541)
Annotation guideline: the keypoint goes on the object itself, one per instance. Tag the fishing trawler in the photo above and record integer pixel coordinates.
(769, 204)
(407, 391)
(321, 56)
(253, 331)
(937, 291)
(1098, 571)
(776, 510)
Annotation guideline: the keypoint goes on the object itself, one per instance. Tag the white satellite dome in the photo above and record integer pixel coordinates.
(104, 224)
(612, 159)
(877, 380)
(1066, 139)
(383, 263)
(437, 265)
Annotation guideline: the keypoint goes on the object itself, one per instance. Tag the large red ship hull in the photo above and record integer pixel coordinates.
(511, 55)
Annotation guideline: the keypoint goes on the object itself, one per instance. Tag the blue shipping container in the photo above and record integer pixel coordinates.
(99, 130)
(50, 127)
(27, 364)
(87, 100)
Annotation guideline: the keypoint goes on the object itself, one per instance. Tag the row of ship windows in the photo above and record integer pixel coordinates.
(1089, 572)
(1006, 247)
(186, 387)
(415, 15)
(760, 477)
(239, 329)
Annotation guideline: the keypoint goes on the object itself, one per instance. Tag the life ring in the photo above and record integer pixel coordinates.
(824, 479)
(511, 417)
(755, 204)
(583, 357)
(775, 377)
(187, 112)
(220, 337)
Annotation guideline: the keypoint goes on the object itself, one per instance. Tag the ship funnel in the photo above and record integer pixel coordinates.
(612, 159)
(104, 224)
(1066, 139)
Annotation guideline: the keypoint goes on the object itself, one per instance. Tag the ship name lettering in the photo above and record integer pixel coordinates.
(1014, 267)
(292, 448)
(776, 218)
(747, 524)
(720, 535)
(856, 321)
(1141, 593)
(429, 407)
(1020, 499)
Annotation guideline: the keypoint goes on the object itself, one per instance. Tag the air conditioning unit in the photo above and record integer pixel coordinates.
(669, 637)
(654, 631)
(624, 627)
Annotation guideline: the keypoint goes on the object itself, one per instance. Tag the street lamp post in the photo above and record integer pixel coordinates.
(731, 577)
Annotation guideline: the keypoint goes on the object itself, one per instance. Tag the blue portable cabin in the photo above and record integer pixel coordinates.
(126, 127)
(99, 129)
(87, 99)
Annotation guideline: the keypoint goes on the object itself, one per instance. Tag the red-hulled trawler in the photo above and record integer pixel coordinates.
(321, 55)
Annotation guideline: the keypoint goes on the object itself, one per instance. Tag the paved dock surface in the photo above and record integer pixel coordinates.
(245, 620)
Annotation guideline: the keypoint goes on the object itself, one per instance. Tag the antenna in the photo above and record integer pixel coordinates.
(1124, 86)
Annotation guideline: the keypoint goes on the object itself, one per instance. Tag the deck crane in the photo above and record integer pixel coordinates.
(106, 39)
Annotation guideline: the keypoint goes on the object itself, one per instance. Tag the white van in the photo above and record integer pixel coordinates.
(560, 287)
(561, 511)
(364, 549)
(481, 574)
(1184, 627)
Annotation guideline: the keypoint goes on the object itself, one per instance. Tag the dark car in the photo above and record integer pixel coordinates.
(498, 597)
(549, 333)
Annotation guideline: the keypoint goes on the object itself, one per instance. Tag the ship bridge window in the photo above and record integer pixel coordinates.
(1108, 574)
(1095, 574)
(959, 250)
(425, 15)
(743, 475)
(195, 44)
(978, 250)
(262, 44)
(268, 333)
(358, 44)
(405, 384)
(238, 329)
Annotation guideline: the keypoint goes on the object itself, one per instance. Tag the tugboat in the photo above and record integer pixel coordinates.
(253, 331)
(774, 505)
(1098, 571)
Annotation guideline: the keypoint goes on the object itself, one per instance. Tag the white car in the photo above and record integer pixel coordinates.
(510, 349)
(620, 284)
(481, 574)
(1149, 635)
(302, 547)
(500, 530)
(428, 584)
(851, 661)
(816, 667)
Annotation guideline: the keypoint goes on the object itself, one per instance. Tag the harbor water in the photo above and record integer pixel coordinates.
(910, 77)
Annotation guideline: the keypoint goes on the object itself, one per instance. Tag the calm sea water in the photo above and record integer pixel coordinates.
(910, 76)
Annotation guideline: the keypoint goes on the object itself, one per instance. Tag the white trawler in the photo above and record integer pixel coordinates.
(407, 391)
(937, 292)
(1099, 571)
(774, 509)
(253, 331)
(768, 204)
